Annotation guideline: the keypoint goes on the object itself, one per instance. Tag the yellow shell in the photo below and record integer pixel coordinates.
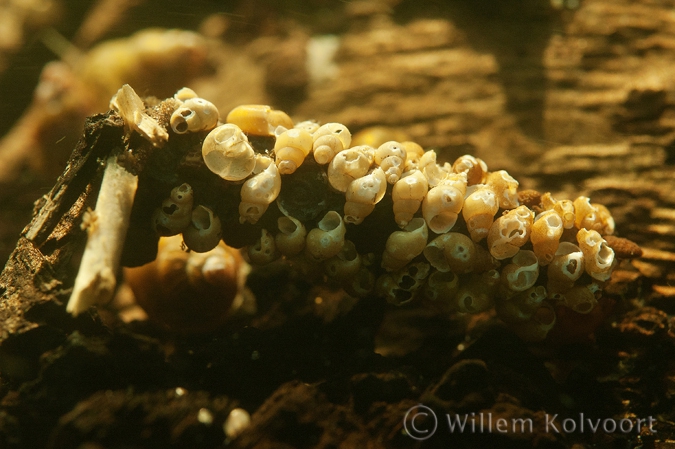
(348, 165)
(598, 256)
(505, 187)
(345, 264)
(258, 192)
(522, 272)
(480, 207)
(407, 196)
(227, 153)
(258, 119)
(509, 232)
(264, 250)
(442, 204)
(291, 148)
(363, 194)
(546, 232)
(391, 156)
(476, 170)
(452, 251)
(329, 140)
(291, 237)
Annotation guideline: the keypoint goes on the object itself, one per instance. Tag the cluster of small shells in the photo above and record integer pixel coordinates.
(466, 243)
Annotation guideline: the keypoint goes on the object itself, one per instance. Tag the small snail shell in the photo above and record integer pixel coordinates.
(452, 251)
(567, 266)
(362, 284)
(363, 194)
(509, 232)
(580, 298)
(264, 250)
(329, 140)
(291, 238)
(564, 208)
(308, 125)
(391, 156)
(291, 148)
(227, 153)
(592, 216)
(175, 213)
(442, 204)
(522, 272)
(345, 265)
(203, 233)
(477, 295)
(545, 237)
(348, 165)
(434, 173)
(407, 196)
(259, 191)
(537, 327)
(189, 292)
(259, 120)
(403, 246)
(475, 169)
(598, 256)
(195, 114)
(505, 187)
(375, 136)
(480, 207)
(185, 93)
(413, 152)
(328, 238)
(441, 289)
(521, 307)
(400, 287)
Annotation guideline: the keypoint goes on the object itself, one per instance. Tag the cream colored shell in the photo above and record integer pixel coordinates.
(260, 120)
(291, 237)
(329, 140)
(291, 148)
(509, 232)
(363, 194)
(227, 153)
(348, 165)
(259, 191)
(442, 204)
(328, 238)
(195, 114)
(391, 156)
(480, 206)
(407, 196)
(546, 232)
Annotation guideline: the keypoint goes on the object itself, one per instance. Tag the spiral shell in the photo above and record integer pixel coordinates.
(258, 192)
(329, 140)
(480, 207)
(453, 251)
(328, 238)
(175, 213)
(592, 217)
(363, 194)
(566, 267)
(391, 156)
(564, 208)
(403, 246)
(441, 289)
(414, 153)
(442, 204)
(291, 237)
(195, 114)
(546, 232)
(407, 196)
(348, 165)
(227, 153)
(291, 148)
(264, 250)
(434, 173)
(522, 272)
(522, 306)
(505, 187)
(400, 287)
(477, 295)
(345, 265)
(598, 256)
(476, 169)
(259, 120)
(509, 232)
(203, 233)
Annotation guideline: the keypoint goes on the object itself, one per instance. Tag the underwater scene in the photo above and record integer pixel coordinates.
(337, 224)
